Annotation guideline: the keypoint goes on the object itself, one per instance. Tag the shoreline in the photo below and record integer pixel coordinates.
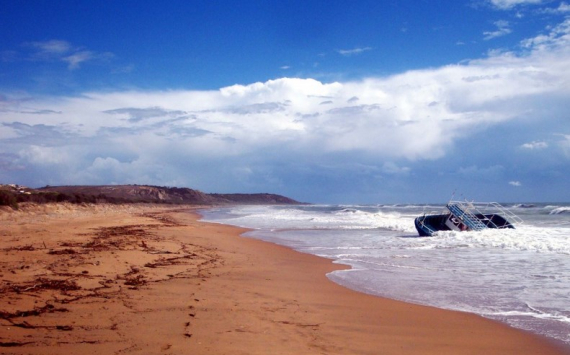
(155, 279)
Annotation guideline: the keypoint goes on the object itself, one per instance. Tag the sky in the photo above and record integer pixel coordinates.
(322, 101)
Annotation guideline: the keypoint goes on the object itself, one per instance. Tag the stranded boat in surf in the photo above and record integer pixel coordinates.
(463, 216)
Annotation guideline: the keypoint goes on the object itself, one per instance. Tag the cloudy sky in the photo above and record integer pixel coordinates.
(322, 101)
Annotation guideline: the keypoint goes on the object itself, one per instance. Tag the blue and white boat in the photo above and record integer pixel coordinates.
(466, 216)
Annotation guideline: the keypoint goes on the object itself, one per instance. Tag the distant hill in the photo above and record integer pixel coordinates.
(253, 199)
(12, 194)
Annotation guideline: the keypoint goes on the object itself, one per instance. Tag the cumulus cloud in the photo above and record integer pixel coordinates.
(502, 30)
(562, 8)
(509, 4)
(204, 137)
(46, 156)
(535, 145)
(555, 41)
(515, 183)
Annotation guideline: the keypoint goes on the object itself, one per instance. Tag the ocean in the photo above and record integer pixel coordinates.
(518, 276)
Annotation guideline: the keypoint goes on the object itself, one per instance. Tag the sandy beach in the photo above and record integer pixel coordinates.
(144, 279)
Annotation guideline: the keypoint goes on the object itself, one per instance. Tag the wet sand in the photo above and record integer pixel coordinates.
(154, 280)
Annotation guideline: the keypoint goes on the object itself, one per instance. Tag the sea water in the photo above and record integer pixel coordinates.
(519, 276)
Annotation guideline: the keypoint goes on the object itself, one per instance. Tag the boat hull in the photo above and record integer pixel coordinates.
(429, 224)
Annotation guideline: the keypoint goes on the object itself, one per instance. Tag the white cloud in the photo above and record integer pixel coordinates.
(134, 114)
(77, 58)
(502, 30)
(509, 4)
(393, 121)
(535, 145)
(51, 47)
(562, 8)
(515, 183)
(354, 51)
(59, 50)
(557, 41)
(45, 156)
(439, 105)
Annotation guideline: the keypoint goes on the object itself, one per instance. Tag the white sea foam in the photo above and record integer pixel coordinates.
(524, 238)
(559, 210)
(344, 218)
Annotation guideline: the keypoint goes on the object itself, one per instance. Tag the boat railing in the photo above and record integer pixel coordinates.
(466, 212)
(509, 215)
(485, 208)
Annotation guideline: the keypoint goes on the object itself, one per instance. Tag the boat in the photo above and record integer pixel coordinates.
(466, 216)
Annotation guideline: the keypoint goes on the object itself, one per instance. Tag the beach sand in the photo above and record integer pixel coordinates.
(142, 279)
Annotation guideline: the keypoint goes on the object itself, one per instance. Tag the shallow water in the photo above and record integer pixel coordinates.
(519, 276)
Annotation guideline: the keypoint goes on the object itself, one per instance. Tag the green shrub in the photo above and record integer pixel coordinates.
(8, 199)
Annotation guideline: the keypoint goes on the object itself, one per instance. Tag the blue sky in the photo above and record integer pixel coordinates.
(322, 101)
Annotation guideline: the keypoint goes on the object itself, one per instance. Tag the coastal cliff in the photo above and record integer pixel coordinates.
(13, 194)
